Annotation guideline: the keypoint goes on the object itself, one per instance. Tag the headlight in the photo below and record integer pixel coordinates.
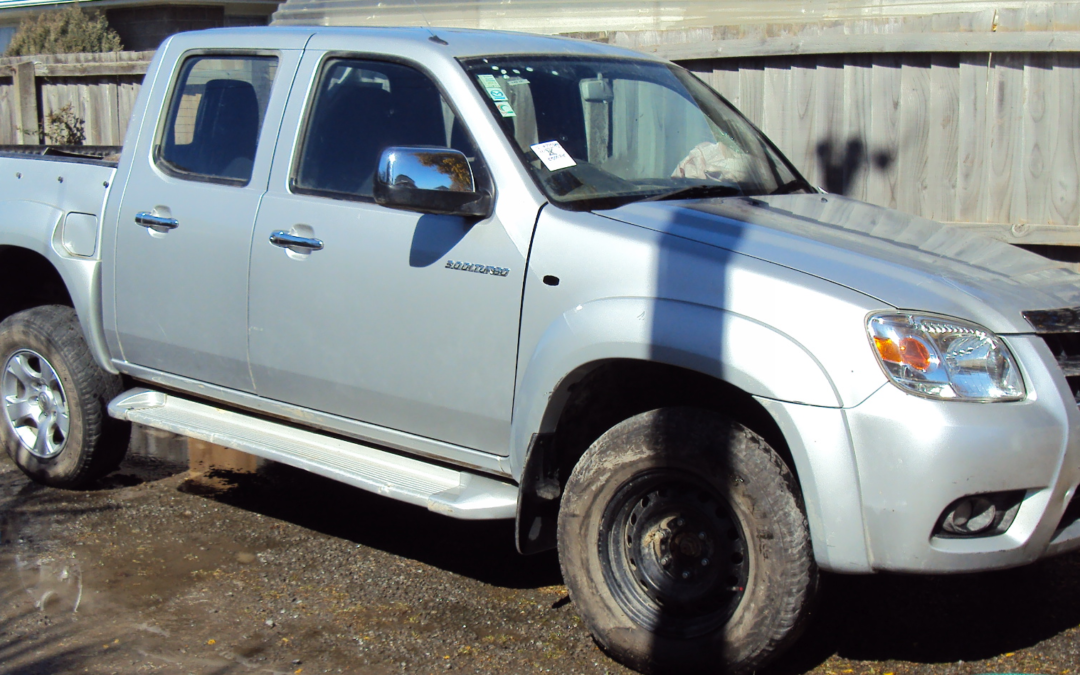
(944, 358)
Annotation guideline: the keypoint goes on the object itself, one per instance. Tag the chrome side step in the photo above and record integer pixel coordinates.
(447, 491)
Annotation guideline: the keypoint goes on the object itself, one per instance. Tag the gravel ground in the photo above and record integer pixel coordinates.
(158, 570)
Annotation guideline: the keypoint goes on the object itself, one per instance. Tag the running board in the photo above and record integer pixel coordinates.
(453, 493)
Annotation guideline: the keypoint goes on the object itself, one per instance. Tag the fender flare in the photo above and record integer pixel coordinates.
(722, 344)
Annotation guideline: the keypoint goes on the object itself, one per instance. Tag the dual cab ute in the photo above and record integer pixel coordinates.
(505, 276)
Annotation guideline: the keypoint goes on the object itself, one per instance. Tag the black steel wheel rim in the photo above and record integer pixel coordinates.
(674, 554)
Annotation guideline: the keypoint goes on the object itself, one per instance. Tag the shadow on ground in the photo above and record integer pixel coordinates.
(482, 550)
(919, 619)
(939, 619)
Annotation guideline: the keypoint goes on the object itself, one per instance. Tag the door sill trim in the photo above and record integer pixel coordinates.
(361, 431)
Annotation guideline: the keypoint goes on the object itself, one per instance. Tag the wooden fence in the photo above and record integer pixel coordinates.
(967, 117)
(987, 139)
(981, 139)
(100, 88)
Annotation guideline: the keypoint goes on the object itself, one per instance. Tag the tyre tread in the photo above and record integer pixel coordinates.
(631, 441)
(103, 438)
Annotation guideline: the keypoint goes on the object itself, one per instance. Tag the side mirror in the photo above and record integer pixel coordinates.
(429, 180)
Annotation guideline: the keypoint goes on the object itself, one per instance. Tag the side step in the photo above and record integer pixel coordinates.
(446, 491)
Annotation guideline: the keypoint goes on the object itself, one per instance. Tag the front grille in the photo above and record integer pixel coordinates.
(1071, 515)
(1066, 348)
(1060, 329)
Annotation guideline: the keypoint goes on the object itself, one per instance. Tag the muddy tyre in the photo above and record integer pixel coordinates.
(684, 545)
(53, 399)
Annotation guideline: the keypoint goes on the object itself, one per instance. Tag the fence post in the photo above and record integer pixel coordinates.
(26, 104)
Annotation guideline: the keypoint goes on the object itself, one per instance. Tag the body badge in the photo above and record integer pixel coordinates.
(479, 269)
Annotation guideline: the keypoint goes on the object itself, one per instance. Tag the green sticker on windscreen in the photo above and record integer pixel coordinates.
(505, 110)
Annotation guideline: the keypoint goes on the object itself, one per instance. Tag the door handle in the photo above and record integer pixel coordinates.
(285, 240)
(157, 223)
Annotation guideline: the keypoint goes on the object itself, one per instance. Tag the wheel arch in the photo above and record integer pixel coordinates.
(621, 364)
(43, 283)
(30, 243)
(590, 408)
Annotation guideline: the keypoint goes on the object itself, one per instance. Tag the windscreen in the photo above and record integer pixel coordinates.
(599, 132)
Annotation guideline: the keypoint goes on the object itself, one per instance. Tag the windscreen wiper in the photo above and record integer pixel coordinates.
(792, 186)
(697, 192)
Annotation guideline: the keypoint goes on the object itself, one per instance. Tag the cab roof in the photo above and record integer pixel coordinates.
(411, 42)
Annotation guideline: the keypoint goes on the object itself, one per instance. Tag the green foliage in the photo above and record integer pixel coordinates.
(62, 127)
(66, 31)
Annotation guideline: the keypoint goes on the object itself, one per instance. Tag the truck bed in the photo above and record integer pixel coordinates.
(106, 155)
(35, 177)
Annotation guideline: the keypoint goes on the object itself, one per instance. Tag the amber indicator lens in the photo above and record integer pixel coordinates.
(908, 351)
(915, 354)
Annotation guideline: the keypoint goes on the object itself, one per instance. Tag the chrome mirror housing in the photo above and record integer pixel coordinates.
(429, 180)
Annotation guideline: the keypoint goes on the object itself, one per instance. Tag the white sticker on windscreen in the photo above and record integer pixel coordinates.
(505, 110)
(488, 81)
(553, 156)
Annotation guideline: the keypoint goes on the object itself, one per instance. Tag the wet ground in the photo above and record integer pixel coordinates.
(281, 571)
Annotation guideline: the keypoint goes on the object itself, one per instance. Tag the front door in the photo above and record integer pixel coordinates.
(364, 318)
(184, 231)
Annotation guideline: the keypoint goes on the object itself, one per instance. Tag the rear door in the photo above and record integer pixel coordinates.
(184, 230)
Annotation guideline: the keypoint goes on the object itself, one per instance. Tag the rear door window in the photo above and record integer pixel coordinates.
(214, 117)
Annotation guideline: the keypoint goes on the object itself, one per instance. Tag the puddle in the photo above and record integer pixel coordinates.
(54, 586)
(157, 548)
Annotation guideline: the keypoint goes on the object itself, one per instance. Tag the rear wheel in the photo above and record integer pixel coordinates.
(54, 397)
(684, 545)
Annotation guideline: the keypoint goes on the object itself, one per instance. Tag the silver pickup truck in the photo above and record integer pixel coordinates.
(506, 276)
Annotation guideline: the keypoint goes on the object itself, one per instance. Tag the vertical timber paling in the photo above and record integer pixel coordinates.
(26, 104)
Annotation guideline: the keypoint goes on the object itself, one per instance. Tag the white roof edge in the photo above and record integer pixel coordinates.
(463, 42)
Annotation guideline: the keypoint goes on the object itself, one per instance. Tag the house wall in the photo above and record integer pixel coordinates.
(609, 16)
(144, 28)
(6, 33)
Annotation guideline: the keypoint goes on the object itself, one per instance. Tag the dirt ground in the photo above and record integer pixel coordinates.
(282, 572)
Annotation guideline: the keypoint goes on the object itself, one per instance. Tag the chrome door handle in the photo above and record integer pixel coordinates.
(156, 222)
(285, 240)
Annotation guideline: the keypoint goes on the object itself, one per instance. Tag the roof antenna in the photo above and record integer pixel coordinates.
(434, 38)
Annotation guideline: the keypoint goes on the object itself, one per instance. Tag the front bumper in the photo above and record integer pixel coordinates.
(916, 456)
(908, 458)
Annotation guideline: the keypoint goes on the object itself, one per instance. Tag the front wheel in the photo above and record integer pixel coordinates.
(684, 544)
(53, 397)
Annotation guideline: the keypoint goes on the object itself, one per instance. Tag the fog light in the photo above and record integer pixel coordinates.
(970, 516)
(980, 515)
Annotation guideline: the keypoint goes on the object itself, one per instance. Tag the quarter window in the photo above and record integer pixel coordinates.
(215, 115)
(360, 109)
